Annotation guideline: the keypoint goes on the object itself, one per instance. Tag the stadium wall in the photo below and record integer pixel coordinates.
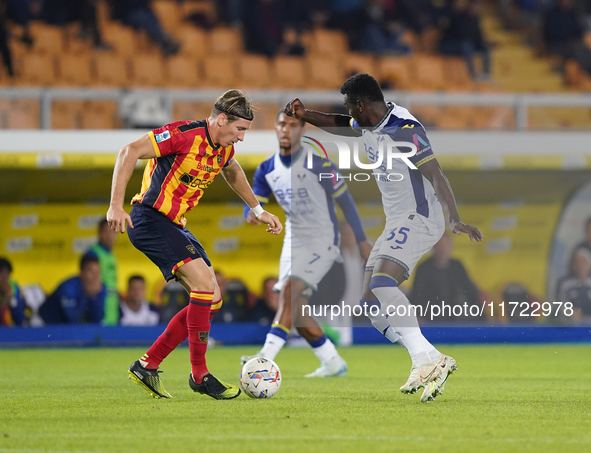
(233, 334)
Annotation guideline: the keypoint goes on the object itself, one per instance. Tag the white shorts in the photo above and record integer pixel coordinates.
(308, 264)
(404, 241)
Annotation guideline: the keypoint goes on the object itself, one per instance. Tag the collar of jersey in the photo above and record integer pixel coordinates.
(390, 108)
(294, 156)
(209, 139)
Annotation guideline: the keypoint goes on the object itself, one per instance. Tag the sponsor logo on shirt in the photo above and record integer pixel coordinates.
(204, 167)
(162, 137)
(192, 181)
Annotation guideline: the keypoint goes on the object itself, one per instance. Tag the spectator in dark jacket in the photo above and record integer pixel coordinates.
(443, 279)
(80, 299)
(139, 15)
(563, 34)
(463, 37)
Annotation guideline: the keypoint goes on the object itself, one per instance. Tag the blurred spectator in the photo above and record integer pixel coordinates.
(79, 299)
(520, 313)
(292, 43)
(102, 250)
(576, 286)
(12, 303)
(351, 17)
(416, 14)
(331, 290)
(139, 15)
(264, 23)
(383, 32)
(443, 279)
(135, 309)
(463, 37)
(266, 306)
(22, 12)
(173, 299)
(236, 300)
(586, 243)
(4, 48)
(563, 34)
(60, 12)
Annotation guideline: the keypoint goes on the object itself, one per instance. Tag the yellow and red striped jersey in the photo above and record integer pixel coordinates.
(186, 163)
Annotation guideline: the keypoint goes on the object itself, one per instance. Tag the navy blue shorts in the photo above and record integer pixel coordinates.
(167, 244)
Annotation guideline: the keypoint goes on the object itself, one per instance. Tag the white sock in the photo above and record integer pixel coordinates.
(381, 323)
(434, 354)
(272, 346)
(327, 353)
(407, 325)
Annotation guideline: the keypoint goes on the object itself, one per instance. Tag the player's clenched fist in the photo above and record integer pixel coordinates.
(295, 108)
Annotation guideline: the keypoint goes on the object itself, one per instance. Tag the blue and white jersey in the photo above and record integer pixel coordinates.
(405, 191)
(308, 203)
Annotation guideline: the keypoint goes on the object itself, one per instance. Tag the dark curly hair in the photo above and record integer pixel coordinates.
(362, 87)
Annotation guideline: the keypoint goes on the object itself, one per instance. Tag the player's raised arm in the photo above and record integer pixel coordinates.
(433, 172)
(127, 158)
(236, 179)
(335, 123)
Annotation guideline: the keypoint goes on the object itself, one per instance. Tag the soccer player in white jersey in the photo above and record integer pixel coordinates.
(311, 243)
(414, 219)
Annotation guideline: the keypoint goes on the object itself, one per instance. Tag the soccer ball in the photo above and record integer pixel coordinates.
(260, 378)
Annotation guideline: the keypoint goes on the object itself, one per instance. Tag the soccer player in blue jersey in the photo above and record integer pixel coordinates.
(414, 218)
(312, 238)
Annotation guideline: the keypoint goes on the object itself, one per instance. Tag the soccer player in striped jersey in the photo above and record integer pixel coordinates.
(414, 218)
(184, 159)
(311, 243)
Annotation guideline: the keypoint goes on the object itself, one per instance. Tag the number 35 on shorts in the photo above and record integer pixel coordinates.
(400, 235)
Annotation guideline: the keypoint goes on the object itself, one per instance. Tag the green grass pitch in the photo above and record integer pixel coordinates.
(501, 399)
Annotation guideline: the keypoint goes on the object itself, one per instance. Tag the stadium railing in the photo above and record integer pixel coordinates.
(520, 103)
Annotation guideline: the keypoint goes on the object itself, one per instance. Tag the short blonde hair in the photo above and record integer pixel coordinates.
(234, 104)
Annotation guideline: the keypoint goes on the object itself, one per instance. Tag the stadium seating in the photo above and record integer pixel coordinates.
(47, 39)
(182, 71)
(191, 110)
(218, 72)
(254, 71)
(397, 71)
(193, 41)
(324, 72)
(224, 41)
(215, 59)
(111, 70)
(74, 70)
(357, 62)
(23, 114)
(123, 39)
(148, 70)
(37, 69)
(66, 114)
(328, 42)
(100, 115)
(169, 14)
(288, 72)
(428, 72)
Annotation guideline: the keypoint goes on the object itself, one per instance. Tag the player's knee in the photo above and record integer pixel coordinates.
(206, 285)
(382, 280)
